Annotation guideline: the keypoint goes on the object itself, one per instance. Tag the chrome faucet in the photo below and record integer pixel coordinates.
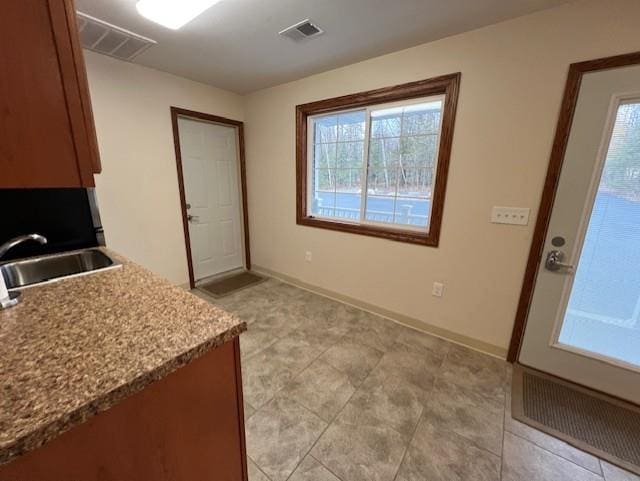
(19, 240)
(10, 299)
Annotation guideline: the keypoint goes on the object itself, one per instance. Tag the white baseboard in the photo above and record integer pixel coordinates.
(396, 317)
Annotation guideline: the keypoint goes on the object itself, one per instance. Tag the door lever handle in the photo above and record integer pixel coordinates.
(192, 218)
(554, 262)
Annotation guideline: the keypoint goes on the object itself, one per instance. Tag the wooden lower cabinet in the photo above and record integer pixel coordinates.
(189, 426)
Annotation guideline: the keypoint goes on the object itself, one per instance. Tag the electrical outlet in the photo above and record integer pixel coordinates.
(510, 215)
(308, 256)
(438, 289)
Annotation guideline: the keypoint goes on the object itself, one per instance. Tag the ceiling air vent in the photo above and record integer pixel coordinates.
(302, 30)
(102, 37)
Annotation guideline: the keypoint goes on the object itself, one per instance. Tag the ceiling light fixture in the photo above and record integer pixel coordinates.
(173, 13)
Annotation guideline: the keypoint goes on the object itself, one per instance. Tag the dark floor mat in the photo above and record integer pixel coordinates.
(593, 422)
(227, 285)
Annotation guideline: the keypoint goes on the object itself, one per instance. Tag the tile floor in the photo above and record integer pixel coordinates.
(334, 393)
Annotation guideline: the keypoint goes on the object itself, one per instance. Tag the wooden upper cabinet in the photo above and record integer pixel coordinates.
(47, 134)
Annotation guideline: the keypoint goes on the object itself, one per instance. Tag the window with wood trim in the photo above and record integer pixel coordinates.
(375, 163)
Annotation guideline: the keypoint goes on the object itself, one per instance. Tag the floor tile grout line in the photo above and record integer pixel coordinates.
(325, 467)
(471, 441)
(310, 409)
(410, 439)
(314, 443)
(480, 448)
(358, 388)
(329, 424)
(506, 430)
(292, 378)
(408, 446)
(295, 375)
(307, 409)
(382, 316)
(504, 420)
(257, 467)
(361, 381)
(309, 364)
(299, 373)
(279, 338)
(308, 452)
(422, 414)
(601, 475)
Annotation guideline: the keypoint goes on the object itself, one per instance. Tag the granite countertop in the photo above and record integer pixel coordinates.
(76, 347)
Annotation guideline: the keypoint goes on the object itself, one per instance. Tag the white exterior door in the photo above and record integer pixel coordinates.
(584, 320)
(210, 168)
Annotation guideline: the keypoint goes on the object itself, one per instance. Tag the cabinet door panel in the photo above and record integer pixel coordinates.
(77, 73)
(43, 136)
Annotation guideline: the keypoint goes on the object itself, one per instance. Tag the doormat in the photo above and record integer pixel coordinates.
(227, 285)
(593, 422)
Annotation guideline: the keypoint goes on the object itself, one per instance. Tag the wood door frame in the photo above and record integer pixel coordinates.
(177, 112)
(563, 130)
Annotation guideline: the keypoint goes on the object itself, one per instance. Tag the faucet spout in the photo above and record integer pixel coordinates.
(4, 248)
(10, 299)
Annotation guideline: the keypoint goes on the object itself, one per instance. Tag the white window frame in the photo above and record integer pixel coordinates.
(365, 163)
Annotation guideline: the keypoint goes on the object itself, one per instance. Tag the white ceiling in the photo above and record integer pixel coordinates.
(235, 44)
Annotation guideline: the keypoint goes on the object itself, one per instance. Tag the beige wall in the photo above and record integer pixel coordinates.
(512, 80)
(137, 189)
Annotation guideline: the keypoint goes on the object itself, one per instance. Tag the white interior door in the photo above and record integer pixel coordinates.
(584, 320)
(211, 182)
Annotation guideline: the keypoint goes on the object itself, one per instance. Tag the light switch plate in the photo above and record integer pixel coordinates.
(510, 215)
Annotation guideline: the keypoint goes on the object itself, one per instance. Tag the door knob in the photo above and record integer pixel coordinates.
(554, 262)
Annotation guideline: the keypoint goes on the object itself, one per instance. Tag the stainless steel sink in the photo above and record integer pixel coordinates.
(37, 270)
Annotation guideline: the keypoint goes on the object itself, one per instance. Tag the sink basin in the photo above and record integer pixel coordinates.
(38, 270)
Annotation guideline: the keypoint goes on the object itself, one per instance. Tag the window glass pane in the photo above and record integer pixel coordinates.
(348, 180)
(323, 189)
(422, 118)
(603, 313)
(384, 153)
(323, 204)
(406, 143)
(412, 211)
(382, 181)
(325, 156)
(324, 180)
(414, 183)
(338, 162)
(419, 151)
(350, 155)
(380, 208)
(402, 149)
(348, 193)
(351, 126)
(386, 123)
(325, 129)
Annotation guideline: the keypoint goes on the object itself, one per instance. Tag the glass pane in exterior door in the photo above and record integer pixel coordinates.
(603, 313)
